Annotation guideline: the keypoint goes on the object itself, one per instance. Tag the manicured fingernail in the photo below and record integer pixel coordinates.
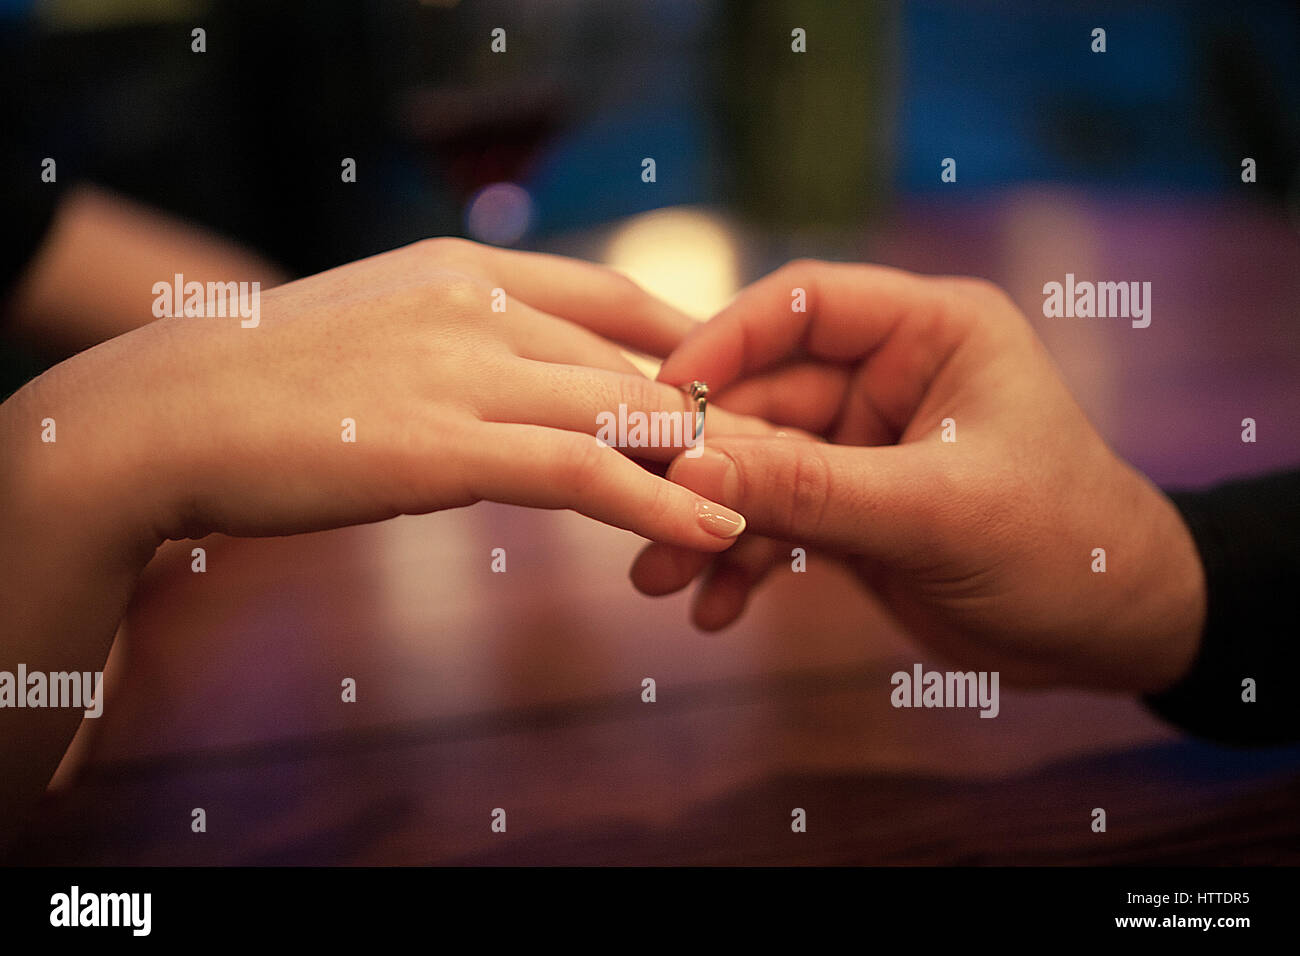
(719, 521)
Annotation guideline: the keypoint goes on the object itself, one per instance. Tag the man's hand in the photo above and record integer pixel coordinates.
(983, 546)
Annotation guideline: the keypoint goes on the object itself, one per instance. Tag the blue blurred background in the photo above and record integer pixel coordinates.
(244, 137)
(1067, 160)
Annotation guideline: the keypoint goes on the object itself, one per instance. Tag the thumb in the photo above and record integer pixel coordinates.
(870, 501)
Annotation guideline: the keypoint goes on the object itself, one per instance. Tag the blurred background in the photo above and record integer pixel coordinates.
(1067, 160)
(1123, 165)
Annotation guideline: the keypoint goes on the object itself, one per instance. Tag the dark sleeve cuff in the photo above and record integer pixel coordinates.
(30, 211)
(1248, 536)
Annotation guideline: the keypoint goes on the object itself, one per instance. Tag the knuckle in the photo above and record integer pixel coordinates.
(662, 505)
(810, 489)
(458, 292)
(806, 274)
(800, 272)
(639, 393)
(446, 247)
(623, 284)
(979, 289)
(803, 264)
(583, 462)
(625, 294)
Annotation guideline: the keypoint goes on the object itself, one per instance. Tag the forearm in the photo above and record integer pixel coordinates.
(92, 276)
(73, 541)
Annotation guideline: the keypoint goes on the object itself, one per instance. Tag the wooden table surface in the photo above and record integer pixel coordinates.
(522, 690)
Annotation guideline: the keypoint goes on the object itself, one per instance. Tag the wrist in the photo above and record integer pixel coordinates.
(72, 545)
(73, 465)
(1171, 610)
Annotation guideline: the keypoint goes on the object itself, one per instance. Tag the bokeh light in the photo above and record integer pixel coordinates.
(685, 256)
(499, 213)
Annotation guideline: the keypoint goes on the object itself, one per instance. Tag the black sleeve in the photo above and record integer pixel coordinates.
(27, 201)
(29, 208)
(1248, 535)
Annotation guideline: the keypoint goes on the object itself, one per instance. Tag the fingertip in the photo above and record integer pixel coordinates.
(654, 574)
(720, 599)
(719, 521)
(670, 374)
(705, 354)
(661, 569)
(642, 577)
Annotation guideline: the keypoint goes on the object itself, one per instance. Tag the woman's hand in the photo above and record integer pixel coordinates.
(240, 430)
(188, 426)
(983, 545)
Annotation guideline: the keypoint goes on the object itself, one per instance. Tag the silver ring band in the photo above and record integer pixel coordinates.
(699, 395)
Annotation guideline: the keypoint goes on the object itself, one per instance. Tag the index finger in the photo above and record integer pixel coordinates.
(832, 310)
(593, 296)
